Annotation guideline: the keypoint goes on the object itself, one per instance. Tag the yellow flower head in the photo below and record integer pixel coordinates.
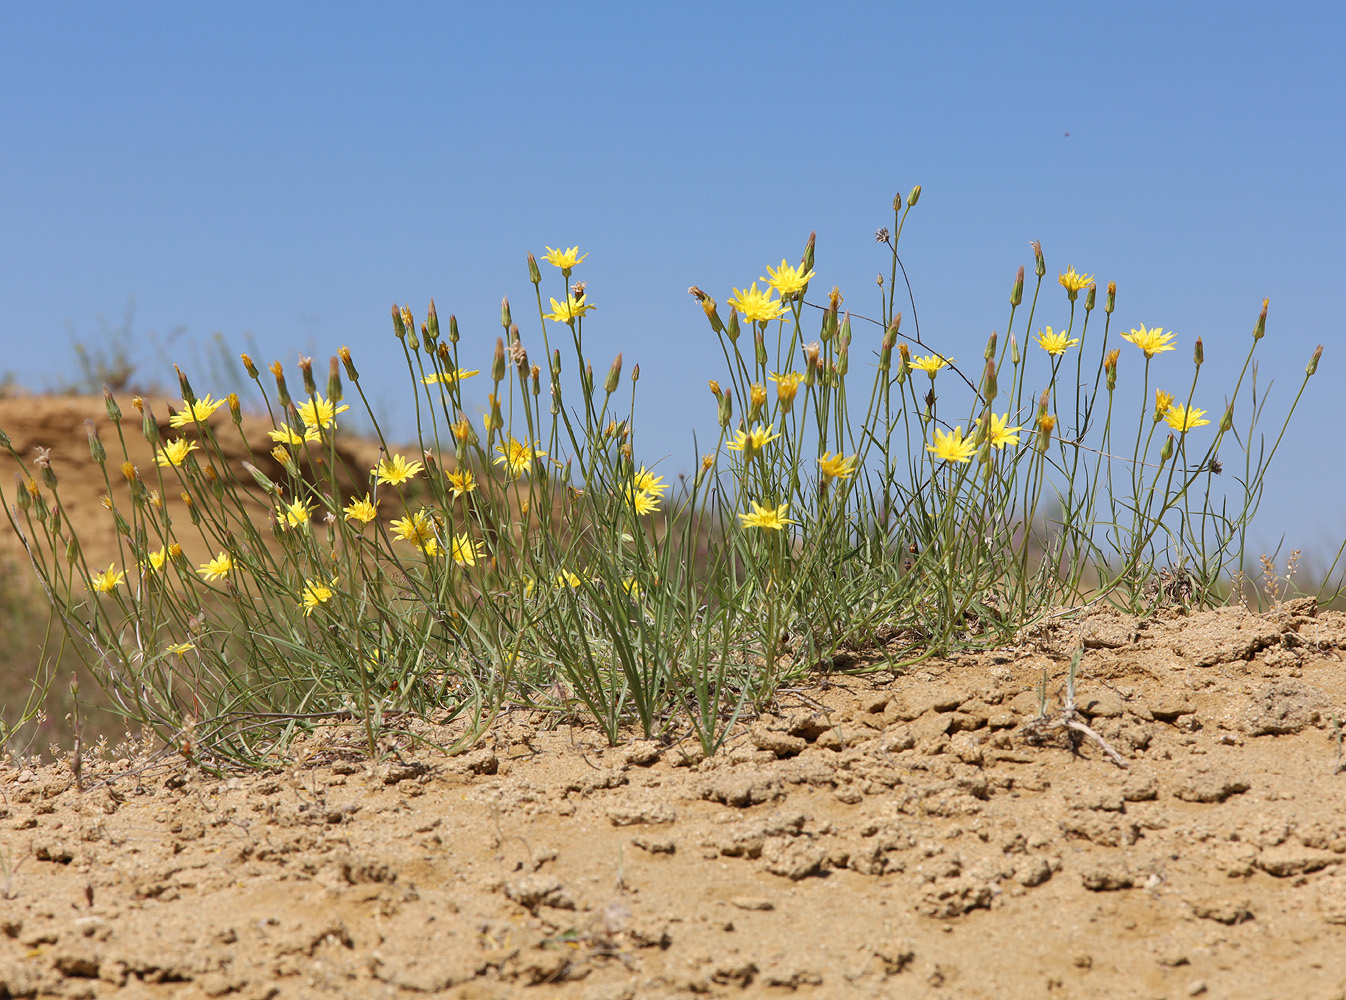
(952, 446)
(462, 482)
(363, 510)
(319, 412)
(516, 457)
(572, 308)
(218, 568)
(1073, 282)
(106, 582)
(836, 466)
(752, 441)
(181, 648)
(644, 503)
(287, 435)
(766, 517)
(930, 364)
(397, 471)
(649, 482)
(449, 378)
(564, 259)
(1055, 343)
(154, 561)
(1162, 401)
(464, 551)
(632, 588)
(419, 529)
(1150, 341)
(757, 395)
(193, 412)
(292, 515)
(315, 593)
(565, 578)
(174, 452)
(1000, 434)
(787, 386)
(755, 306)
(787, 280)
(1181, 419)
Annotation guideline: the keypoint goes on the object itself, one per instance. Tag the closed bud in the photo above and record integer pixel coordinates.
(95, 443)
(1089, 299)
(1017, 292)
(1261, 328)
(1014, 350)
(1112, 298)
(345, 354)
(334, 380)
(498, 362)
(714, 388)
(635, 373)
(588, 378)
(114, 410)
(991, 389)
(432, 323)
(21, 491)
(453, 329)
(248, 366)
(756, 400)
(731, 329)
(759, 342)
(811, 355)
(261, 477)
(150, 428)
(914, 197)
(1198, 353)
(399, 328)
(726, 407)
(72, 549)
(806, 264)
(712, 313)
(989, 353)
(282, 390)
(306, 368)
(1227, 421)
(1312, 366)
(235, 409)
(555, 363)
(505, 319)
(1166, 452)
(614, 375)
(188, 396)
(1110, 366)
(534, 275)
(1039, 262)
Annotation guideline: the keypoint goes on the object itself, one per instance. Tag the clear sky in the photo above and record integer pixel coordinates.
(283, 173)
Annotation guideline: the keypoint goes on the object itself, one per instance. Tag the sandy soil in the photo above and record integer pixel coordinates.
(902, 836)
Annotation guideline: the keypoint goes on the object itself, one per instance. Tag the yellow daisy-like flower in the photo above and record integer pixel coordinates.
(397, 471)
(363, 510)
(464, 551)
(193, 412)
(319, 412)
(181, 648)
(952, 446)
(1073, 282)
(462, 482)
(1055, 343)
(174, 452)
(292, 515)
(1162, 401)
(449, 378)
(930, 364)
(752, 441)
(419, 529)
(766, 517)
(154, 561)
(649, 482)
(1150, 341)
(787, 280)
(218, 568)
(517, 457)
(787, 386)
(644, 503)
(1180, 418)
(565, 578)
(632, 588)
(564, 259)
(1000, 434)
(106, 582)
(314, 594)
(755, 306)
(461, 428)
(287, 435)
(564, 312)
(836, 466)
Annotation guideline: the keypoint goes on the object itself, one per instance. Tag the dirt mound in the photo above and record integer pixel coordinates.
(910, 837)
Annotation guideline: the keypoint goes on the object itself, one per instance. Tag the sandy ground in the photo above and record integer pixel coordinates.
(900, 836)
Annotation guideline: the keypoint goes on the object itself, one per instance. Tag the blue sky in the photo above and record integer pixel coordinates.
(282, 174)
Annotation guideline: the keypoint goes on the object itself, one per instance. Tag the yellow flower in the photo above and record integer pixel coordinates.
(752, 441)
(766, 517)
(755, 306)
(174, 452)
(836, 466)
(1055, 343)
(192, 412)
(315, 593)
(363, 510)
(397, 471)
(218, 568)
(1000, 434)
(1073, 282)
(450, 377)
(649, 482)
(181, 648)
(930, 364)
(464, 551)
(292, 515)
(644, 503)
(462, 482)
(1150, 341)
(565, 578)
(787, 386)
(1162, 401)
(569, 310)
(418, 529)
(952, 447)
(516, 457)
(787, 280)
(154, 561)
(462, 428)
(287, 435)
(564, 259)
(632, 588)
(1180, 418)
(757, 395)
(106, 582)
(319, 412)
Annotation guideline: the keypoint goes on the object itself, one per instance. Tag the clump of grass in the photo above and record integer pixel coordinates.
(885, 499)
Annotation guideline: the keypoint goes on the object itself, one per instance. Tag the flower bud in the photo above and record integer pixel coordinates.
(1089, 299)
(1312, 366)
(399, 328)
(306, 368)
(1017, 292)
(345, 354)
(1261, 328)
(432, 323)
(759, 342)
(1166, 452)
(248, 366)
(534, 274)
(1112, 298)
(188, 396)
(505, 319)
(614, 375)
(806, 265)
(555, 363)
(235, 409)
(1039, 262)
(150, 428)
(635, 373)
(95, 443)
(1227, 421)
(1110, 366)
(914, 197)
(282, 391)
(498, 362)
(756, 400)
(1046, 424)
(1015, 358)
(714, 388)
(262, 480)
(726, 407)
(114, 410)
(23, 492)
(989, 353)
(588, 376)
(811, 354)
(712, 314)
(453, 329)
(334, 380)
(731, 329)
(1198, 353)
(990, 389)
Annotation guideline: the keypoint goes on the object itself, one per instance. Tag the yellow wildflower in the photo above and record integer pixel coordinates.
(106, 582)
(287, 435)
(292, 515)
(462, 482)
(755, 306)
(787, 386)
(1150, 341)
(644, 503)
(565, 578)
(787, 280)
(649, 482)
(193, 412)
(449, 378)
(1055, 343)
(516, 457)
(564, 259)
(836, 466)
(1073, 282)
(930, 364)
(218, 568)
(464, 550)
(174, 452)
(419, 529)
(1000, 434)
(181, 648)
(571, 309)
(952, 446)
(1162, 401)
(363, 510)
(632, 588)
(766, 517)
(752, 441)
(154, 561)
(315, 593)
(1182, 419)
(319, 412)
(397, 471)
